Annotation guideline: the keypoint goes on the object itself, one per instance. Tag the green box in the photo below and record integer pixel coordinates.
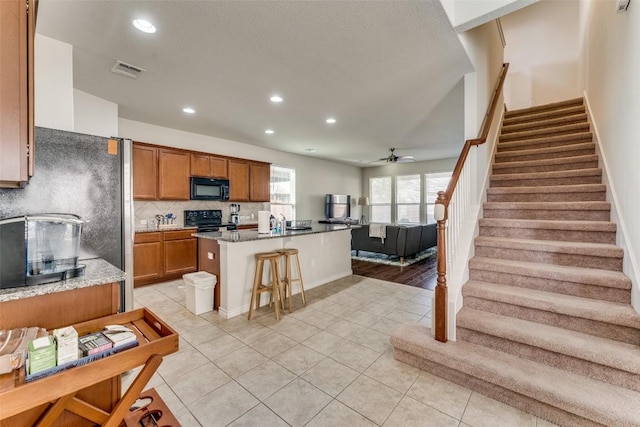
(42, 354)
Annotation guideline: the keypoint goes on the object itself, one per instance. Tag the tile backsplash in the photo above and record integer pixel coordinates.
(145, 211)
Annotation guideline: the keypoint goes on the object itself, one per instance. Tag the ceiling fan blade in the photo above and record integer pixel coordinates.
(405, 159)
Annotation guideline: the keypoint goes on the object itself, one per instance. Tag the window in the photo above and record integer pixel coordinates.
(380, 199)
(408, 199)
(434, 182)
(283, 192)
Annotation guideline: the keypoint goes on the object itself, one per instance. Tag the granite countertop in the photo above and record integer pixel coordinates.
(252, 235)
(172, 228)
(98, 272)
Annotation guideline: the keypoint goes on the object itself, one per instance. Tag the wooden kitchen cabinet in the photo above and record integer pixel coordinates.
(147, 257)
(238, 180)
(145, 172)
(163, 255)
(173, 174)
(17, 131)
(208, 166)
(260, 180)
(180, 252)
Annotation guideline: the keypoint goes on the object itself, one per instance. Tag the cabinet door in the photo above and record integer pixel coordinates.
(180, 256)
(145, 172)
(218, 167)
(16, 87)
(173, 172)
(200, 165)
(238, 180)
(147, 262)
(260, 174)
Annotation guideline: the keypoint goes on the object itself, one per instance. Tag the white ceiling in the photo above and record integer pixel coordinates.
(389, 71)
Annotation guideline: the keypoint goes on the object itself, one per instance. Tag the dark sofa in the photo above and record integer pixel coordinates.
(401, 240)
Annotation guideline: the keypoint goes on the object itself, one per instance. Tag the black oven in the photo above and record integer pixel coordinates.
(209, 188)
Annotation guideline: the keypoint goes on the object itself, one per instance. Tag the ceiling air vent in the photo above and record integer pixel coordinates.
(127, 70)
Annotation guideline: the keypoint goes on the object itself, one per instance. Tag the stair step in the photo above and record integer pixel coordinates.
(553, 178)
(610, 361)
(545, 142)
(560, 105)
(578, 211)
(547, 165)
(571, 231)
(543, 115)
(605, 319)
(550, 193)
(577, 281)
(560, 121)
(564, 151)
(577, 254)
(567, 398)
(545, 131)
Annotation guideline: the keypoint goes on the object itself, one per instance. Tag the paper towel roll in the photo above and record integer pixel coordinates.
(263, 222)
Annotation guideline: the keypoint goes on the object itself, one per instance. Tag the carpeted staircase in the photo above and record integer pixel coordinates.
(547, 324)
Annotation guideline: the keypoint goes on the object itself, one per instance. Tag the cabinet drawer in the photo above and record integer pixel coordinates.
(147, 237)
(179, 234)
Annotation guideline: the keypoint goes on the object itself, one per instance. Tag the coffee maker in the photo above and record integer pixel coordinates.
(234, 217)
(37, 249)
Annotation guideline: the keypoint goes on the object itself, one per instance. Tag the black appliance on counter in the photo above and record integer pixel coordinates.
(38, 249)
(206, 220)
(209, 189)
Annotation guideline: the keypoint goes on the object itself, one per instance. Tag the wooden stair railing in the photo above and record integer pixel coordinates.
(441, 211)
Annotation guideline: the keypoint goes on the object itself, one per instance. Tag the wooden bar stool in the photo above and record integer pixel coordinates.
(287, 277)
(273, 286)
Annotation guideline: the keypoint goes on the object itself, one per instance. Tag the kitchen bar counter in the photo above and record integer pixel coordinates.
(324, 252)
(253, 235)
(98, 272)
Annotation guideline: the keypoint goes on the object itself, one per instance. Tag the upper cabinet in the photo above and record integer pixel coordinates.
(238, 180)
(173, 174)
(145, 172)
(208, 166)
(161, 173)
(17, 30)
(260, 177)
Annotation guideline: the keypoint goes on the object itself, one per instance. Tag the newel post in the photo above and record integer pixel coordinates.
(440, 214)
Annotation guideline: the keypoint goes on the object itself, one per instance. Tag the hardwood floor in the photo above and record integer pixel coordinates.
(422, 274)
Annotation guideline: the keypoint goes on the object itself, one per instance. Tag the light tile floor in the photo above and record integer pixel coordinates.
(329, 363)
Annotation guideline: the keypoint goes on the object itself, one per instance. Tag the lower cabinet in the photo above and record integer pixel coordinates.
(163, 255)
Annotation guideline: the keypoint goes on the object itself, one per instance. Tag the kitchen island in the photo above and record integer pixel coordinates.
(325, 255)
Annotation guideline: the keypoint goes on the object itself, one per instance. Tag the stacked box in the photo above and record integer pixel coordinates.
(66, 344)
(42, 354)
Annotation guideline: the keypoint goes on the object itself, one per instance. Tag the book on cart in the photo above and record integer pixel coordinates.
(119, 335)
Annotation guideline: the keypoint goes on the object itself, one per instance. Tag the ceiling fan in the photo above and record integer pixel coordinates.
(392, 158)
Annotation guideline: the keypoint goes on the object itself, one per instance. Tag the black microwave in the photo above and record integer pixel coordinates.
(209, 188)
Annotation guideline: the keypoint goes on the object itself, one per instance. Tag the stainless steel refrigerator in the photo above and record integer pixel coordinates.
(90, 177)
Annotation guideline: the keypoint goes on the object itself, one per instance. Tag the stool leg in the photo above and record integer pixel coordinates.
(257, 278)
(289, 283)
(304, 300)
(284, 280)
(275, 286)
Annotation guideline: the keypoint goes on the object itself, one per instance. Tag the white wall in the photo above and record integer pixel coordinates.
(543, 43)
(611, 60)
(53, 83)
(93, 115)
(314, 178)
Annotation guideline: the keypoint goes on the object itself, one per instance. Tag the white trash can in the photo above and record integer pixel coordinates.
(199, 287)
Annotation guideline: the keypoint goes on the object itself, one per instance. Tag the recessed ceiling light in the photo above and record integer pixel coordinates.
(330, 120)
(144, 26)
(276, 98)
(269, 131)
(189, 110)
(310, 150)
